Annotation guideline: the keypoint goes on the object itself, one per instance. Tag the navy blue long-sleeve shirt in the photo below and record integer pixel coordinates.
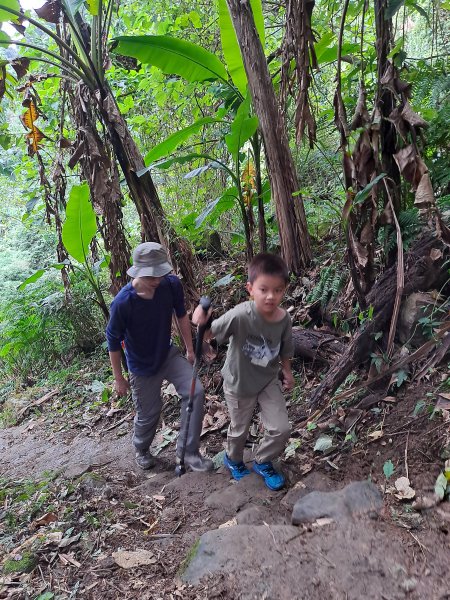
(145, 325)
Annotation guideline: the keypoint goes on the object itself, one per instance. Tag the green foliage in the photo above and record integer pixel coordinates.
(332, 279)
(241, 130)
(30, 495)
(230, 48)
(11, 4)
(292, 448)
(40, 328)
(170, 144)
(167, 108)
(321, 189)
(80, 225)
(173, 56)
(218, 206)
(364, 193)
(388, 469)
(442, 485)
(25, 563)
(410, 226)
(430, 97)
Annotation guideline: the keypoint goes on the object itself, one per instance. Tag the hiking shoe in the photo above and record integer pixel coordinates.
(273, 480)
(238, 470)
(144, 459)
(197, 462)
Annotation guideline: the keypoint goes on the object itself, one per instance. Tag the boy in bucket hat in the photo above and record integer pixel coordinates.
(141, 316)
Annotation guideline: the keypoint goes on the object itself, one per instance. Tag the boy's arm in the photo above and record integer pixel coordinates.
(221, 328)
(185, 330)
(288, 378)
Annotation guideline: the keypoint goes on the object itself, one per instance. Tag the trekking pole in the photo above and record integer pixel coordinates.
(180, 469)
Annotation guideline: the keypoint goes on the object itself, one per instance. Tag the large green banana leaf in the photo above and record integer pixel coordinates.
(173, 141)
(173, 56)
(80, 225)
(242, 128)
(230, 48)
(6, 15)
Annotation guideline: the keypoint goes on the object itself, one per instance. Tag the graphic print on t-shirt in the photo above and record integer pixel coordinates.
(259, 352)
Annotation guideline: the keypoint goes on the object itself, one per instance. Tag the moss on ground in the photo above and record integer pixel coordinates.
(24, 564)
(192, 553)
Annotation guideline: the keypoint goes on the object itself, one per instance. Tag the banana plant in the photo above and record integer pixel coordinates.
(79, 229)
(195, 64)
(81, 40)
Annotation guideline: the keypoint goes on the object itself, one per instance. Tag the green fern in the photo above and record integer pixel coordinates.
(331, 282)
(410, 226)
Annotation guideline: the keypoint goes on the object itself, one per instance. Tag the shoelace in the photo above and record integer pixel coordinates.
(268, 470)
(241, 468)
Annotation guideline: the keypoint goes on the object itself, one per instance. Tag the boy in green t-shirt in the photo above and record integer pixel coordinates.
(260, 340)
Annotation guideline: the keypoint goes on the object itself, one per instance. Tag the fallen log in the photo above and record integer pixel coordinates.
(423, 271)
(316, 346)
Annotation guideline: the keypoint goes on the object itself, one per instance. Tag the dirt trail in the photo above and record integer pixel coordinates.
(249, 549)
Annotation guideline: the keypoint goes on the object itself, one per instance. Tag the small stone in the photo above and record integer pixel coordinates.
(128, 559)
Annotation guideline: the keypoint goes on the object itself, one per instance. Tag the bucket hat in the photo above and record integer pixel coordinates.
(149, 260)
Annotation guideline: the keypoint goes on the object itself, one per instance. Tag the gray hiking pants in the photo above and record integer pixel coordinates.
(146, 393)
(273, 415)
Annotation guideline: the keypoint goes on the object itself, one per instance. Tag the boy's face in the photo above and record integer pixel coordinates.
(267, 292)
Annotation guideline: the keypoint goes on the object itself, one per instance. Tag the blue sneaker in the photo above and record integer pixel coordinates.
(273, 480)
(238, 470)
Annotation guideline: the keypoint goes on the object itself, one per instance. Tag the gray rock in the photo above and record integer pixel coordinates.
(231, 498)
(314, 481)
(357, 498)
(238, 547)
(76, 470)
(416, 306)
(256, 515)
(238, 494)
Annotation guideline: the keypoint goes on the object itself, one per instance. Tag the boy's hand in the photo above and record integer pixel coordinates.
(121, 386)
(288, 380)
(199, 317)
(190, 355)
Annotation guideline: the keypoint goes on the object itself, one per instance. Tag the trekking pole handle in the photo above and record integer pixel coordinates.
(205, 303)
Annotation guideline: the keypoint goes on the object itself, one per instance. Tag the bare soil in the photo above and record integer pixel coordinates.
(97, 502)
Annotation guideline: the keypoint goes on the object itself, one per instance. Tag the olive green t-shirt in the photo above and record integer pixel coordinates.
(255, 348)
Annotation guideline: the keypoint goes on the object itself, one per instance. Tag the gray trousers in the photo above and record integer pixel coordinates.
(146, 393)
(273, 415)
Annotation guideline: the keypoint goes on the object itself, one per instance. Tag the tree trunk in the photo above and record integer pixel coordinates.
(422, 272)
(294, 236)
(316, 346)
(154, 223)
(385, 102)
(262, 231)
(100, 171)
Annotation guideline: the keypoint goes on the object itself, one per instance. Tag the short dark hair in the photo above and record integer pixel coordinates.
(267, 264)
